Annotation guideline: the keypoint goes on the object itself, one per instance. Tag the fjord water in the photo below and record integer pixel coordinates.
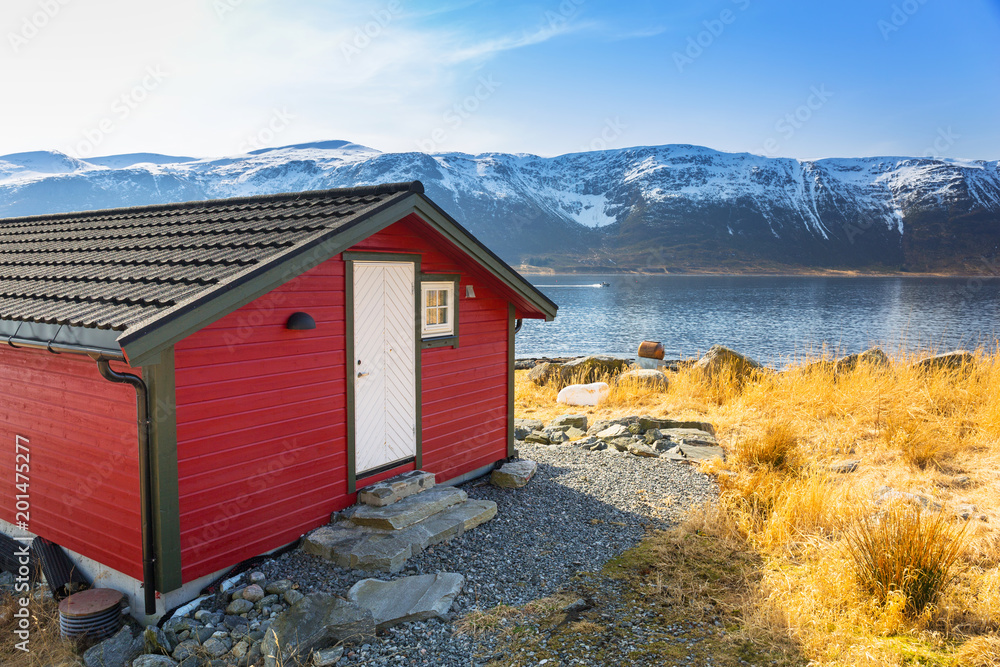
(772, 318)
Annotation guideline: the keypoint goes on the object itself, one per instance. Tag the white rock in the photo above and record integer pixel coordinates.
(583, 394)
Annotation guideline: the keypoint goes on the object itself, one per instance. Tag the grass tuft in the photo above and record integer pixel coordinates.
(904, 556)
(776, 447)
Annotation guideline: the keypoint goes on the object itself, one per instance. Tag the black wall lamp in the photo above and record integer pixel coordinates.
(300, 322)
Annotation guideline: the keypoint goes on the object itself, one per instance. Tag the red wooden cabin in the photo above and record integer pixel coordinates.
(257, 361)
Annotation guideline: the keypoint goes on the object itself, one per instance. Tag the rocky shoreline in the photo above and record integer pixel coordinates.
(583, 507)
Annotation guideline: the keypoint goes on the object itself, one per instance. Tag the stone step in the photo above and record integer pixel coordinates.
(407, 511)
(378, 549)
(393, 490)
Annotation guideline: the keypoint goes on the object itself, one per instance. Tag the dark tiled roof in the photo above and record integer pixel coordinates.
(113, 269)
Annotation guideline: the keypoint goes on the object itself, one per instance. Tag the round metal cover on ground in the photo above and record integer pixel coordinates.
(95, 613)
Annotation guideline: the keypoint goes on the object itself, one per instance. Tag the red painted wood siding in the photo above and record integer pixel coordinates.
(84, 466)
(261, 411)
(261, 424)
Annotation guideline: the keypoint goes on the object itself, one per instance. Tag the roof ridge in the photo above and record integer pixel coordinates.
(361, 190)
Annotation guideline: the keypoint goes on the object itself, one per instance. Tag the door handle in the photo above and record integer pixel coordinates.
(361, 375)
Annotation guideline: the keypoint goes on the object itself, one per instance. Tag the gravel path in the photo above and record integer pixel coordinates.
(581, 509)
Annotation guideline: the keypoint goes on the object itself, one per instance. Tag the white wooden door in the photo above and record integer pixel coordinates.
(385, 395)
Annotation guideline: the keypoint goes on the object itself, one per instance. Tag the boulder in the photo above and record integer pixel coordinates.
(874, 357)
(327, 656)
(279, 587)
(239, 606)
(215, 647)
(573, 433)
(555, 435)
(316, 621)
(522, 427)
(642, 377)
(155, 641)
(253, 593)
(184, 650)
(575, 421)
(613, 431)
(844, 467)
(537, 437)
(622, 444)
(639, 449)
(594, 368)
(587, 442)
(119, 650)
(546, 373)
(721, 359)
(151, 660)
(583, 394)
(514, 475)
(414, 598)
(692, 452)
(646, 422)
(954, 360)
(689, 436)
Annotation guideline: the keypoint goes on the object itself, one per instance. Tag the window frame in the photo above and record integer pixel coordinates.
(433, 339)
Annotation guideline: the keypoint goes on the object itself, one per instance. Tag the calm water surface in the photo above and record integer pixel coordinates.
(770, 318)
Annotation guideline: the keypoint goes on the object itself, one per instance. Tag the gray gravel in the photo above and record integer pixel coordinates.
(581, 509)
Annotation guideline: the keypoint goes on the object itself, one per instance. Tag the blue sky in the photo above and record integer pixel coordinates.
(219, 77)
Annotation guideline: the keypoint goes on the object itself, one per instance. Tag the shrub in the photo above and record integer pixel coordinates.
(906, 552)
(776, 447)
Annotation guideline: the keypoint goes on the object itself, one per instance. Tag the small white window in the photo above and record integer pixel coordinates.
(437, 305)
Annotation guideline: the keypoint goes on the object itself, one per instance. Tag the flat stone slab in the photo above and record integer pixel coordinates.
(614, 431)
(577, 421)
(393, 490)
(415, 598)
(408, 511)
(514, 475)
(689, 436)
(384, 550)
(694, 453)
(316, 621)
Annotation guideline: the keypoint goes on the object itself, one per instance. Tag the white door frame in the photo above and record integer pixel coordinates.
(360, 464)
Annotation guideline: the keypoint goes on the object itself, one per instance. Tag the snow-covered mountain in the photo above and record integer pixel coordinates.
(655, 208)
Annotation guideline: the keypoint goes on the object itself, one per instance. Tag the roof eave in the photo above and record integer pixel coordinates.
(448, 227)
(143, 342)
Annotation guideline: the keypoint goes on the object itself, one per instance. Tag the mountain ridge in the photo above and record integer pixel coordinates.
(672, 208)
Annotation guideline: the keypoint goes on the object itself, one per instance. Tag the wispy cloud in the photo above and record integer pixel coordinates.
(643, 33)
(491, 47)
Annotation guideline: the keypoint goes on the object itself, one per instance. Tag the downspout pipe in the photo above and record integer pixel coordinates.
(145, 475)
(517, 325)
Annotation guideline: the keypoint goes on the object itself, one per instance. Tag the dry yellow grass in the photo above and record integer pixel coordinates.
(45, 647)
(912, 429)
